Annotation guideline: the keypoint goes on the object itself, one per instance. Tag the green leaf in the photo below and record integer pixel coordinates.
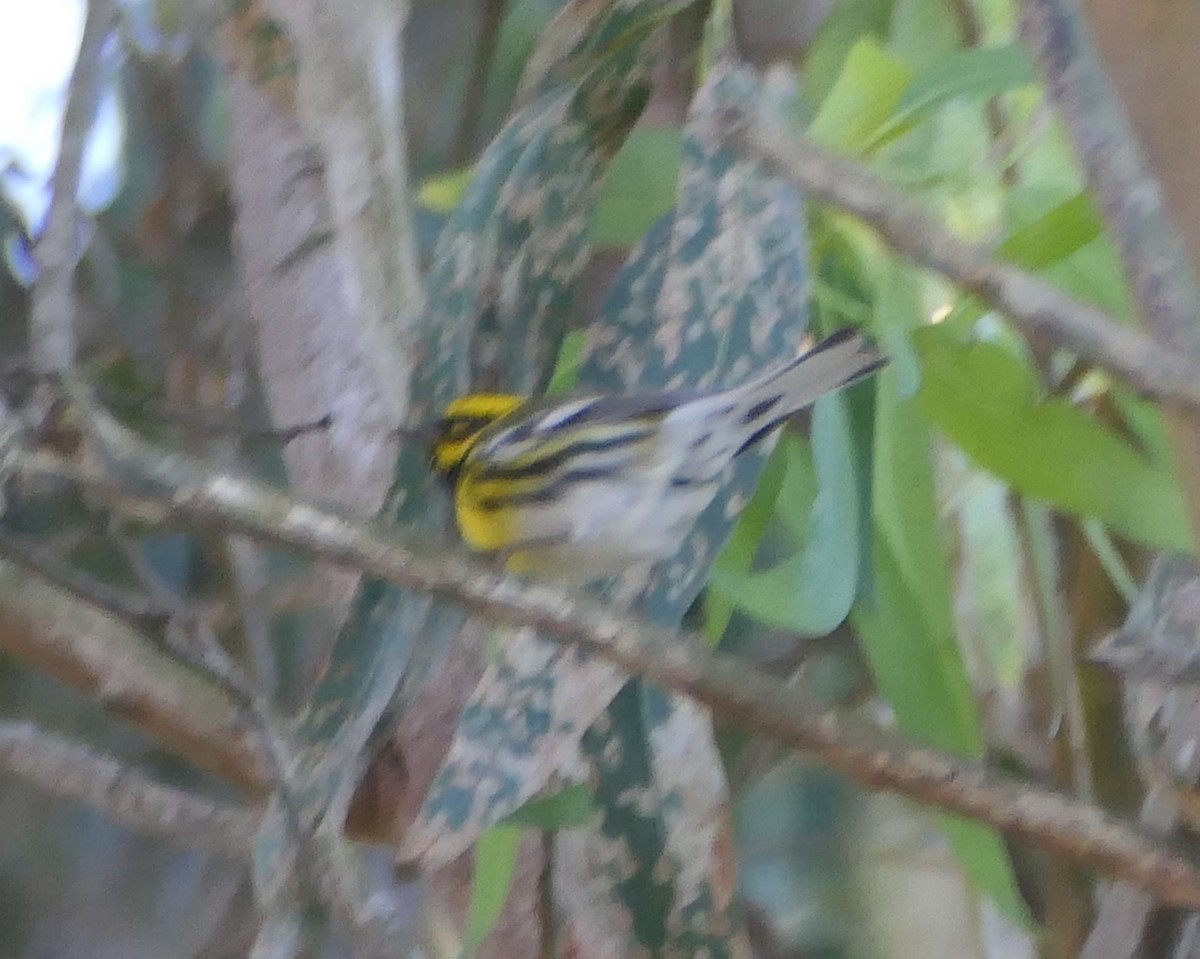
(736, 558)
(986, 400)
(638, 189)
(640, 186)
(570, 808)
(847, 23)
(1047, 245)
(924, 33)
(497, 849)
(907, 623)
(501, 278)
(982, 73)
(649, 800)
(717, 40)
(811, 592)
(566, 370)
(495, 862)
(1054, 236)
(1110, 559)
(867, 92)
(1068, 247)
(978, 74)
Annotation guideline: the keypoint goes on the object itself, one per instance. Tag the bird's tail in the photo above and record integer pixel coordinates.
(716, 427)
(839, 360)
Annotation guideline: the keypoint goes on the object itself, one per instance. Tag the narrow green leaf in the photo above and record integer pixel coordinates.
(1061, 231)
(811, 592)
(736, 558)
(979, 74)
(495, 862)
(982, 72)
(566, 369)
(907, 624)
(1047, 243)
(1110, 559)
(986, 400)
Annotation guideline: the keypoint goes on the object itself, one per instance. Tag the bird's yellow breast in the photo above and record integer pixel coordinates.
(486, 528)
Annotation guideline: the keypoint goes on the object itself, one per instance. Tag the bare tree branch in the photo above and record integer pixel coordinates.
(124, 795)
(101, 655)
(1127, 192)
(182, 490)
(1162, 372)
(52, 333)
(1152, 250)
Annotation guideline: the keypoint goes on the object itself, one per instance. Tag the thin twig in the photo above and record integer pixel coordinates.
(52, 334)
(124, 795)
(1167, 374)
(1084, 834)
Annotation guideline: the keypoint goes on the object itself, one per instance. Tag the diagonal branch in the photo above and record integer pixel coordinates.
(103, 655)
(180, 490)
(124, 795)
(1161, 372)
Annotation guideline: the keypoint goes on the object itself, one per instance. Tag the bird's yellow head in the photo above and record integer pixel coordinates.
(464, 419)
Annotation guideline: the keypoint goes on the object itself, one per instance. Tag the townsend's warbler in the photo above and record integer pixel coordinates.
(585, 486)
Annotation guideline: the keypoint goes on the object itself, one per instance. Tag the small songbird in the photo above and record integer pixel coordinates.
(581, 487)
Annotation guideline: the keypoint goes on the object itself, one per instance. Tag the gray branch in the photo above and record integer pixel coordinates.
(124, 795)
(1128, 193)
(1164, 373)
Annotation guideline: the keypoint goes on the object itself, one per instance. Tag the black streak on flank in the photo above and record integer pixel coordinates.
(547, 464)
(761, 409)
(548, 493)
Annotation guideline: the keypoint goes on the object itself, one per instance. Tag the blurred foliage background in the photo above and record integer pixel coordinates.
(936, 549)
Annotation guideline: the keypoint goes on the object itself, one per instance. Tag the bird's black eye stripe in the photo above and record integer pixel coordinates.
(759, 410)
